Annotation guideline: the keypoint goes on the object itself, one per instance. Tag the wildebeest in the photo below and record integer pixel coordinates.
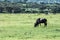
(39, 21)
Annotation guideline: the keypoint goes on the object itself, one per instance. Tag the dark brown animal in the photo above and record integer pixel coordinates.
(39, 21)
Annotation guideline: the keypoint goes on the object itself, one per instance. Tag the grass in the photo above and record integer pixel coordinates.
(21, 27)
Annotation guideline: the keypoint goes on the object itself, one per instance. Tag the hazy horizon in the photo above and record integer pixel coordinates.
(46, 1)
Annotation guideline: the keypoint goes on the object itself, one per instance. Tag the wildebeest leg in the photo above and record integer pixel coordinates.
(40, 24)
(45, 24)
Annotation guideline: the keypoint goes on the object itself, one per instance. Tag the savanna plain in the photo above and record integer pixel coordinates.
(21, 27)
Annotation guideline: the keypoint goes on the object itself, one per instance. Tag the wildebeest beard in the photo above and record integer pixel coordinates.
(39, 21)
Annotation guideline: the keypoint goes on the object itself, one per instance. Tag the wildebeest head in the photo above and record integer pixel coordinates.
(39, 21)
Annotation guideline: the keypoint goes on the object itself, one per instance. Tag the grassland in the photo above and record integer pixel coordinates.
(21, 27)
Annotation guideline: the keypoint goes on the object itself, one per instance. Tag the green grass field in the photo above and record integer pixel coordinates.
(21, 27)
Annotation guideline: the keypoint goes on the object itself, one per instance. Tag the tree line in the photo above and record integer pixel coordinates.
(30, 7)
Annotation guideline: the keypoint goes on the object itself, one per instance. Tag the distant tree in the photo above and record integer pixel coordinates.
(5, 0)
(25, 1)
(42, 3)
(1, 9)
(20, 1)
(9, 9)
(42, 7)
